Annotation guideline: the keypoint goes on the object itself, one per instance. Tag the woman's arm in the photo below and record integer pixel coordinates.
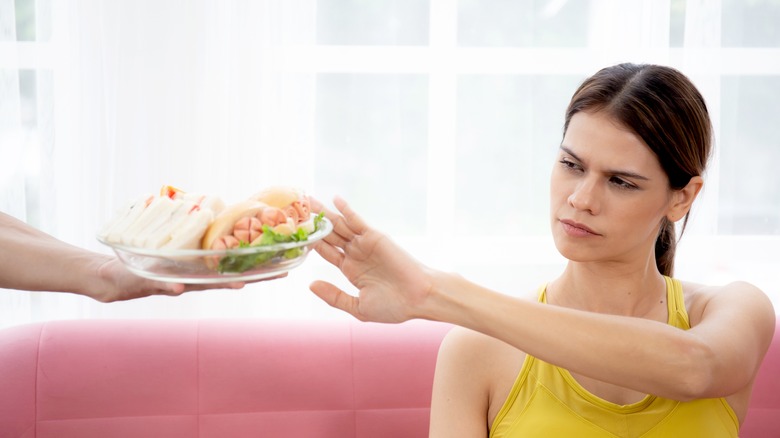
(717, 357)
(474, 376)
(33, 260)
(460, 399)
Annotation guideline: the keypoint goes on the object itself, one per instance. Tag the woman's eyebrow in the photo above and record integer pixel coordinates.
(613, 172)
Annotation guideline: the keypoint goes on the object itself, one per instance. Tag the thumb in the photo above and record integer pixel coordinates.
(335, 297)
(173, 289)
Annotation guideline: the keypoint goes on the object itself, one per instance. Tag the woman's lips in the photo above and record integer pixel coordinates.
(576, 229)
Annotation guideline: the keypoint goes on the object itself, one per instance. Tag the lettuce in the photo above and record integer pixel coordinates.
(237, 263)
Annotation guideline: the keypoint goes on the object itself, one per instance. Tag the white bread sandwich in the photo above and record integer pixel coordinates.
(171, 220)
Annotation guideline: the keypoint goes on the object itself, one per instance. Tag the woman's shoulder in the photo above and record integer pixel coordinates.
(734, 290)
(484, 361)
(488, 365)
(699, 298)
(472, 346)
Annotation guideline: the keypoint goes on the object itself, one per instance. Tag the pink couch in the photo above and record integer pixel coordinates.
(240, 378)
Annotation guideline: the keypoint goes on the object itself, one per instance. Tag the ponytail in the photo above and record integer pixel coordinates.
(665, 246)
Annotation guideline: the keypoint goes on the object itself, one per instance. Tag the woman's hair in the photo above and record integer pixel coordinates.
(663, 107)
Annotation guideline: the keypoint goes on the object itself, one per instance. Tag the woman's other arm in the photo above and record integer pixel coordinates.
(459, 401)
(474, 374)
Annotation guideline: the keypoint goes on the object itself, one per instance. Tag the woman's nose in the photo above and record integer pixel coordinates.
(585, 197)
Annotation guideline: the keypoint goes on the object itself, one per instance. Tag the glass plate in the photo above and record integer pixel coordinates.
(201, 266)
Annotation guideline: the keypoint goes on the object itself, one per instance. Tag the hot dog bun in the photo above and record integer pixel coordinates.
(278, 196)
(225, 222)
(292, 201)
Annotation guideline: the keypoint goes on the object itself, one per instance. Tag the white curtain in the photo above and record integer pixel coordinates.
(134, 95)
(419, 113)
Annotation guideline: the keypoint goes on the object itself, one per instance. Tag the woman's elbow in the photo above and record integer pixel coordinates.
(703, 375)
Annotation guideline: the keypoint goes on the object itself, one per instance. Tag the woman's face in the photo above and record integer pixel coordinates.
(608, 193)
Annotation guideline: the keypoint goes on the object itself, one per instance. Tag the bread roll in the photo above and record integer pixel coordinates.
(224, 223)
(278, 196)
(293, 202)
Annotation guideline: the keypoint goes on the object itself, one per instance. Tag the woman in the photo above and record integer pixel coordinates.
(614, 346)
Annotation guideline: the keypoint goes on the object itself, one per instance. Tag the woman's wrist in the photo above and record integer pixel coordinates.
(444, 299)
(455, 300)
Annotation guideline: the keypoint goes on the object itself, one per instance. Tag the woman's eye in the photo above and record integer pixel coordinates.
(623, 184)
(569, 164)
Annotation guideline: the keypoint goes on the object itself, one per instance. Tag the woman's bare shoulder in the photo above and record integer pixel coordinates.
(736, 295)
(470, 345)
(490, 363)
(739, 290)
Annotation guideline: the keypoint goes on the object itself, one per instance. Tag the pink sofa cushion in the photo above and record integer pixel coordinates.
(241, 378)
(18, 372)
(763, 418)
(216, 378)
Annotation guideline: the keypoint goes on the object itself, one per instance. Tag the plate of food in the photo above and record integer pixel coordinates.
(181, 237)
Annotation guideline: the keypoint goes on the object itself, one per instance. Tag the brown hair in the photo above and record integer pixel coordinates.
(663, 107)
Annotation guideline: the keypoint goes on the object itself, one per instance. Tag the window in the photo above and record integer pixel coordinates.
(437, 120)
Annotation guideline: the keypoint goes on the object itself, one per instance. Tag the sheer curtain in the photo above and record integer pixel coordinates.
(135, 95)
(437, 120)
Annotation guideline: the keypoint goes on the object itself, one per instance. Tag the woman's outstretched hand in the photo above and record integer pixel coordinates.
(392, 286)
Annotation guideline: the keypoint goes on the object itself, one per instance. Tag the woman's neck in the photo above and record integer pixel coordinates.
(609, 289)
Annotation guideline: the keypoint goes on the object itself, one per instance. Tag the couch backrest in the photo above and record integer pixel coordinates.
(169, 378)
(241, 378)
(763, 418)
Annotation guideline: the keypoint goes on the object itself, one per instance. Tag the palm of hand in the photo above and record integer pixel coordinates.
(389, 281)
(387, 278)
(119, 284)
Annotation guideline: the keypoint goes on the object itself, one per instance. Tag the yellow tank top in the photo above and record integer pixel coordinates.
(546, 401)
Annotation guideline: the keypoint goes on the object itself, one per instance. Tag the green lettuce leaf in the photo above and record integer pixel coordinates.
(237, 263)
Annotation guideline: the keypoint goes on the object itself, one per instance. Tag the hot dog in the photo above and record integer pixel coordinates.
(293, 202)
(221, 234)
(175, 219)
(282, 209)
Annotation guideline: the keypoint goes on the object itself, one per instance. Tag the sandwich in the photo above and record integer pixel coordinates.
(174, 220)
(170, 220)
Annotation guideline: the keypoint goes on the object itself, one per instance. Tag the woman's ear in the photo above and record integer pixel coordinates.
(683, 199)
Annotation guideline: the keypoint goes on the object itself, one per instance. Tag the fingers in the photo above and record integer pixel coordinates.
(353, 220)
(316, 205)
(335, 239)
(208, 286)
(173, 289)
(176, 289)
(341, 231)
(346, 225)
(335, 297)
(226, 285)
(330, 253)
